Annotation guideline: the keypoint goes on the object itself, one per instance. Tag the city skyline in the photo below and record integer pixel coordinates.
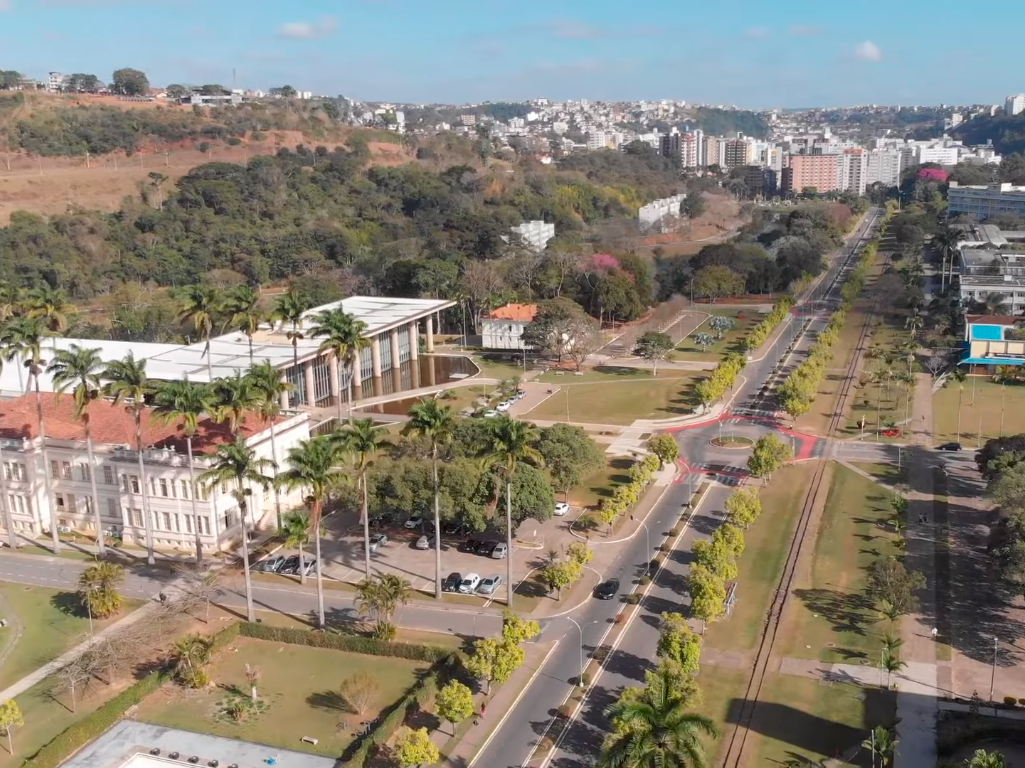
(395, 50)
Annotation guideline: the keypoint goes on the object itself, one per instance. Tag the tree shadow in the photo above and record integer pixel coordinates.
(330, 701)
(846, 612)
(69, 603)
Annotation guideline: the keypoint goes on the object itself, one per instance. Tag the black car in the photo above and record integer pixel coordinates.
(452, 582)
(486, 548)
(452, 528)
(607, 589)
(470, 545)
(949, 447)
(290, 566)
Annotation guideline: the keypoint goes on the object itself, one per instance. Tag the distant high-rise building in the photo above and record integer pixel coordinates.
(734, 153)
(671, 146)
(818, 172)
(883, 166)
(1014, 105)
(852, 171)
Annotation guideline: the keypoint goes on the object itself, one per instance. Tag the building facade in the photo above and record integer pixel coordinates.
(983, 201)
(819, 172)
(503, 328)
(535, 234)
(1014, 105)
(882, 167)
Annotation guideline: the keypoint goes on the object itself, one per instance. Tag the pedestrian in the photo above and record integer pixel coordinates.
(483, 708)
(631, 518)
(934, 632)
(476, 721)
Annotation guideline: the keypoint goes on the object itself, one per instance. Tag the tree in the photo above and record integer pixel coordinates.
(416, 748)
(665, 447)
(891, 663)
(359, 691)
(362, 439)
(97, 589)
(269, 389)
(189, 657)
(654, 729)
(129, 82)
(508, 443)
(653, 346)
(176, 92)
(10, 718)
(714, 555)
(743, 507)
(434, 422)
(201, 307)
(290, 308)
(889, 580)
(454, 703)
(583, 339)
(126, 382)
(494, 660)
(344, 337)
(80, 368)
(559, 574)
(551, 331)
(721, 324)
(253, 677)
(295, 530)
(768, 455)
(379, 597)
(881, 744)
(241, 311)
(516, 629)
(182, 404)
(704, 340)
(237, 464)
(707, 594)
(715, 282)
(569, 455)
(677, 643)
(984, 759)
(314, 465)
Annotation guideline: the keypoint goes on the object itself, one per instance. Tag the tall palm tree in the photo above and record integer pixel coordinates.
(435, 422)
(200, 307)
(242, 313)
(945, 241)
(315, 466)
(363, 440)
(51, 306)
(343, 336)
(654, 729)
(12, 301)
(508, 443)
(180, 402)
(234, 396)
(295, 528)
(959, 376)
(25, 344)
(238, 463)
(290, 309)
(891, 662)
(269, 387)
(80, 368)
(126, 382)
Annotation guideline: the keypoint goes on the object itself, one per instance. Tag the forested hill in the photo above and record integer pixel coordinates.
(722, 122)
(1005, 131)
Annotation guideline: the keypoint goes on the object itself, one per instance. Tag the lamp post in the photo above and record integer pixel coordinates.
(647, 534)
(993, 674)
(580, 632)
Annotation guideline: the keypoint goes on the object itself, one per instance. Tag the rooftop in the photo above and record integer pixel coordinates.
(521, 312)
(991, 319)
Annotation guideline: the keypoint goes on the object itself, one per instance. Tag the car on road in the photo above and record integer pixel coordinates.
(377, 541)
(414, 522)
(470, 545)
(561, 508)
(607, 590)
(270, 565)
(485, 548)
(469, 583)
(489, 585)
(949, 447)
(425, 542)
(499, 552)
(452, 582)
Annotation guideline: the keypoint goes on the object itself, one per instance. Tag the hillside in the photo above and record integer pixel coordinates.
(1007, 132)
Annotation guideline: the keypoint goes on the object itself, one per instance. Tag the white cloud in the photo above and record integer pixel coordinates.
(868, 51)
(566, 29)
(304, 30)
(756, 33)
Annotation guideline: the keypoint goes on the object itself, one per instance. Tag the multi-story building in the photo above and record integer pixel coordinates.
(56, 81)
(503, 327)
(656, 211)
(852, 171)
(711, 151)
(991, 341)
(941, 155)
(597, 140)
(43, 484)
(983, 201)
(535, 234)
(882, 166)
(734, 153)
(760, 181)
(1014, 105)
(818, 172)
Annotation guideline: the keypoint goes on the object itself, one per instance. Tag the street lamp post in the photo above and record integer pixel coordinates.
(993, 674)
(580, 632)
(647, 534)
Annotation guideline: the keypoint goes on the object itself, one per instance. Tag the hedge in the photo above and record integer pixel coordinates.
(352, 644)
(761, 332)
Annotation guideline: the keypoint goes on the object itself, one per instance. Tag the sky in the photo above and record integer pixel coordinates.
(749, 53)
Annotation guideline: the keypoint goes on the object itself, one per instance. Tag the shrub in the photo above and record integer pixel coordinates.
(385, 631)
(367, 645)
(644, 581)
(234, 141)
(633, 599)
(667, 547)
(585, 679)
(565, 711)
(1022, 702)
(1010, 701)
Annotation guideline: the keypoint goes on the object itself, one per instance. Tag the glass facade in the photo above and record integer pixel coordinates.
(322, 382)
(366, 363)
(385, 344)
(403, 344)
(294, 376)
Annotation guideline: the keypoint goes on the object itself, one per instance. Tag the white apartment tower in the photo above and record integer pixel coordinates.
(1014, 105)
(883, 166)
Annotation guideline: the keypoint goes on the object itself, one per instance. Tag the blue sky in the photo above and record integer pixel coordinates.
(754, 53)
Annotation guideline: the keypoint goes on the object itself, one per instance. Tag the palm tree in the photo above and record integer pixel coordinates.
(269, 388)
(877, 378)
(984, 759)
(890, 662)
(509, 442)
(234, 397)
(295, 528)
(12, 301)
(914, 323)
(889, 611)
(242, 313)
(378, 597)
(995, 304)
(51, 306)
(181, 402)
(315, 466)
(945, 241)
(126, 381)
(959, 376)
(343, 336)
(97, 588)
(654, 729)
(80, 368)
(881, 744)
(200, 307)
(290, 309)
(25, 344)
(362, 439)
(435, 422)
(238, 463)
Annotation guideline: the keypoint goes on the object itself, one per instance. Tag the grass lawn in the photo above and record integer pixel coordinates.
(831, 620)
(600, 485)
(760, 565)
(465, 397)
(494, 369)
(604, 373)
(987, 404)
(619, 402)
(50, 625)
(732, 340)
(800, 717)
(302, 695)
(722, 689)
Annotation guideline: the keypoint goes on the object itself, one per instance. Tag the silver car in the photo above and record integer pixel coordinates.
(377, 541)
(489, 585)
(425, 542)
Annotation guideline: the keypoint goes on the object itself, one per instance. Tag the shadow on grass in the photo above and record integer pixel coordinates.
(330, 701)
(846, 612)
(69, 603)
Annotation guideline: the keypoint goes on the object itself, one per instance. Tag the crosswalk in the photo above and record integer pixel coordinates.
(765, 413)
(694, 479)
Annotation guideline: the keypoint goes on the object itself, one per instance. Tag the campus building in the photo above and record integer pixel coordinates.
(991, 341)
(983, 201)
(503, 328)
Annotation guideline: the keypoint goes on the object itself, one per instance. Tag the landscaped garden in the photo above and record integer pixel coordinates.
(705, 343)
(1001, 409)
(619, 399)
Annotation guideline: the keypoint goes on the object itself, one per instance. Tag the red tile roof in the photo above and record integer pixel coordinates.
(522, 312)
(112, 424)
(993, 319)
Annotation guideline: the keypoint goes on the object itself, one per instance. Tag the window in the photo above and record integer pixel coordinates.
(167, 521)
(21, 471)
(108, 475)
(134, 482)
(83, 471)
(204, 525)
(188, 524)
(113, 508)
(71, 503)
(177, 522)
(137, 518)
(163, 487)
(204, 493)
(60, 501)
(185, 489)
(54, 469)
(152, 486)
(66, 470)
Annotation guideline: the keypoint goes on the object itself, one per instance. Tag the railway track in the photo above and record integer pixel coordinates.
(738, 738)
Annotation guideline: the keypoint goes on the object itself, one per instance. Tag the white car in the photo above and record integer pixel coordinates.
(490, 414)
(469, 583)
(561, 508)
(489, 585)
(503, 406)
(414, 522)
(520, 394)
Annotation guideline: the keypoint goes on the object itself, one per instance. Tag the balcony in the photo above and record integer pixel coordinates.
(162, 457)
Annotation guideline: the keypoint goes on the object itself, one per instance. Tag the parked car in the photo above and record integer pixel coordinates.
(607, 589)
(290, 566)
(377, 541)
(452, 528)
(270, 565)
(452, 582)
(500, 551)
(561, 508)
(425, 542)
(949, 447)
(485, 548)
(311, 566)
(520, 394)
(503, 406)
(414, 522)
(490, 414)
(470, 545)
(489, 585)
(469, 583)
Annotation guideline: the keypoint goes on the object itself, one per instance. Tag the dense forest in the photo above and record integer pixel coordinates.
(1007, 132)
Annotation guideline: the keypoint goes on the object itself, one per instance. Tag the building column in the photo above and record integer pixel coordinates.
(332, 375)
(311, 386)
(429, 320)
(357, 373)
(414, 341)
(393, 338)
(284, 396)
(375, 356)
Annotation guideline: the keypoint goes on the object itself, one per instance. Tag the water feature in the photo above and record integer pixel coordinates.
(424, 372)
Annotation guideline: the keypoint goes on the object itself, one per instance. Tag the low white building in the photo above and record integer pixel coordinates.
(983, 201)
(535, 234)
(503, 328)
(656, 211)
(45, 484)
(1015, 104)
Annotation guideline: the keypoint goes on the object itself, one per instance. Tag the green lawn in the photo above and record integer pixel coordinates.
(51, 624)
(604, 373)
(732, 340)
(594, 488)
(979, 397)
(830, 619)
(619, 402)
(760, 565)
(722, 690)
(300, 686)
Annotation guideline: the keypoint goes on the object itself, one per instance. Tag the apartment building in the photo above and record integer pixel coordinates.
(734, 153)
(1015, 104)
(656, 211)
(883, 167)
(535, 234)
(46, 484)
(819, 172)
(983, 201)
(852, 171)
